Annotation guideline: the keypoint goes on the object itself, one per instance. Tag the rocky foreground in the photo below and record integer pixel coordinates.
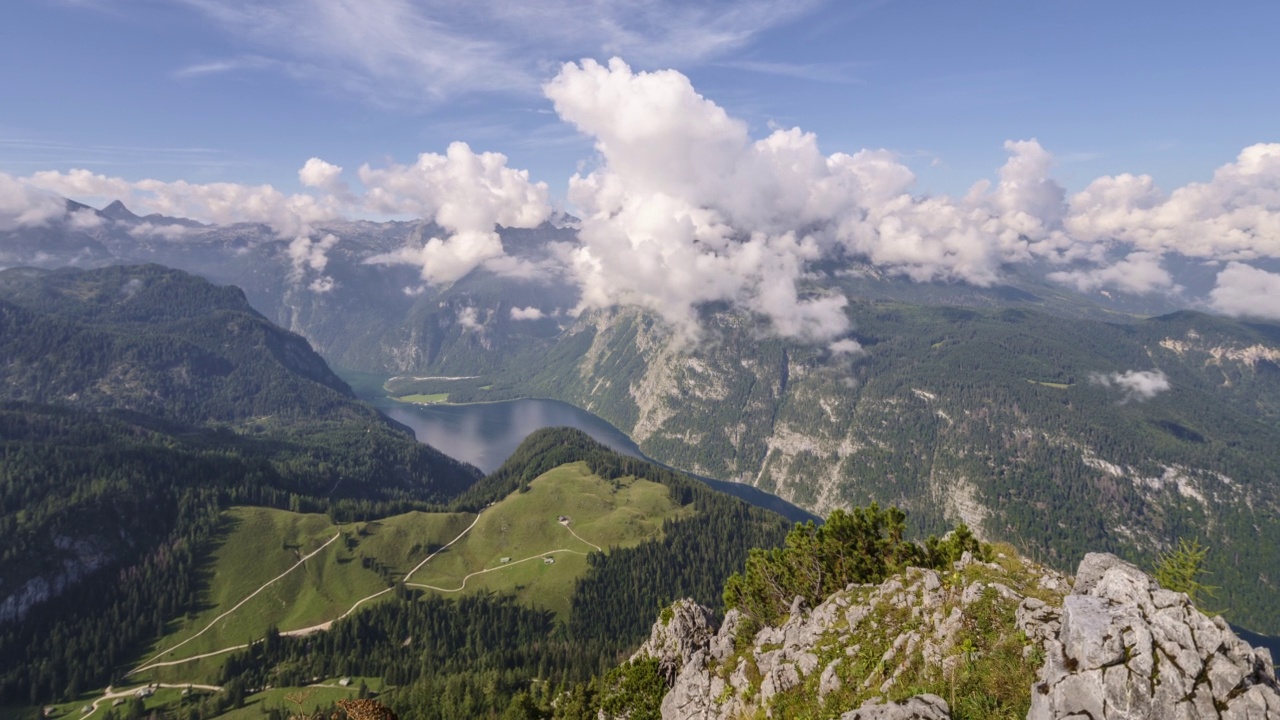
(999, 639)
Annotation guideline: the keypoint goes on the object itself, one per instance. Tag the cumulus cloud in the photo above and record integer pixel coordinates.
(1234, 216)
(317, 173)
(1245, 291)
(527, 313)
(1138, 385)
(23, 206)
(467, 194)
(685, 208)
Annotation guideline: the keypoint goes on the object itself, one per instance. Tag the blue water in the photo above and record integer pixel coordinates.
(486, 434)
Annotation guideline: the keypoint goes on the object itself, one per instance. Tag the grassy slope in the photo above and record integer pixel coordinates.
(524, 525)
(261, 543)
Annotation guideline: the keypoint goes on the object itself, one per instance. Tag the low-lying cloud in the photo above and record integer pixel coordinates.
(682, 207)
(1246, 291)
(1136, 385)
(527, 313)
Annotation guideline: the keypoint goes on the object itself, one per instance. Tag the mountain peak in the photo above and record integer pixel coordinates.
(117, 211)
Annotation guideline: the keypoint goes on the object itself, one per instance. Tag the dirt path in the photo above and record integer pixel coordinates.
(242, 602)
(445, 547)
(504, 566)
(565, 523)
(291, 633)
(110, 694)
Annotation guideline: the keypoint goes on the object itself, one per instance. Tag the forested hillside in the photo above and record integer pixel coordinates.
(1059, 435)
(135, 405)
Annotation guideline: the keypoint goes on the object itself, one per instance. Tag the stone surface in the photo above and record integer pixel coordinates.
(920, 707)
(1128, 650)
(1117, 648)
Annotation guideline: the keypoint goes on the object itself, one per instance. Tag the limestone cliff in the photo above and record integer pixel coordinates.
(1002, 639)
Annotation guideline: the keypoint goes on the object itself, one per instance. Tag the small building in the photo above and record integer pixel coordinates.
(504, 560)
(548, 560)
(564, 519)
(345, 682)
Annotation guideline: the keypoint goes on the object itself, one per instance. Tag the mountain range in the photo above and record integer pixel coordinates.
(1058, 420)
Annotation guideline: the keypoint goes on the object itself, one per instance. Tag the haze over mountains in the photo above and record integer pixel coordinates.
(1002, 404)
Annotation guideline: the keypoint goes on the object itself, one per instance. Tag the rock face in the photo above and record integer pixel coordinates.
(1123, 648)
(816, 653)
(1118, 647)
(920, 707)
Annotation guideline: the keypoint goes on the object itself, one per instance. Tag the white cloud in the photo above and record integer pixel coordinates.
(686, 208)
(1234, 216)
(168, 232)
(469, 319)
(1136, 385)
(317, 173)
(85, 220)
(1139, 273)
(1245, 291)
(847, 346)
(527, 313)
(23, 206)
(467, 194)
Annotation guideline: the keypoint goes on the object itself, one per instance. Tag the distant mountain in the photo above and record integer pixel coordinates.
(1060, 435)
(964, 402)
(135, 402)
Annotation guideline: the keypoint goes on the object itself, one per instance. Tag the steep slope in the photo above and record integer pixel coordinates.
(1060, 435)
(1006, 639)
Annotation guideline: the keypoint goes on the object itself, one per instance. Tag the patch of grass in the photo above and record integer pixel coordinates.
(313, 698)
(422, 399)
(260, 544)
(524, 525)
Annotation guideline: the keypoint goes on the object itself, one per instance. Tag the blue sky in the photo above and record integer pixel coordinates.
(226, 90)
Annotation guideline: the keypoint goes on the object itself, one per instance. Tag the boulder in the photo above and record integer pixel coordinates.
(920, 707)
(1126, 649)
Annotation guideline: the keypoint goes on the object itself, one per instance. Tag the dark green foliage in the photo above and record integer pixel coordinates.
(862, 546)
(478, 656)
(135, 405)
(996, 403)
(635, 690)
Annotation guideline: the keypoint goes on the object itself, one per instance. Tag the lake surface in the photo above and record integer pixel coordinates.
(486, 434)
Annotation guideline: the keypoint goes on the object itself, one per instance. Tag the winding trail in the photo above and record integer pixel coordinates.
(113, 694)
(152, 664)
(463, 586)
(290, 633)
(571, 532)
(251, 595)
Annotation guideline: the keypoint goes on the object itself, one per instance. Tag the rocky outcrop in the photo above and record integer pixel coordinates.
(819, 655)
(920, 707)
(1118, 647)
(1121, 647)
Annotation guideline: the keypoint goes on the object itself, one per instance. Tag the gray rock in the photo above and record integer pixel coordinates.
(920, 707)
(1093, 568)
(830, 680)
(1128, 650)
(673, 643)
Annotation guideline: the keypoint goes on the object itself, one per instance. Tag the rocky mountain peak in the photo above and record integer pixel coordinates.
(117, 211)
(1114, 645)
